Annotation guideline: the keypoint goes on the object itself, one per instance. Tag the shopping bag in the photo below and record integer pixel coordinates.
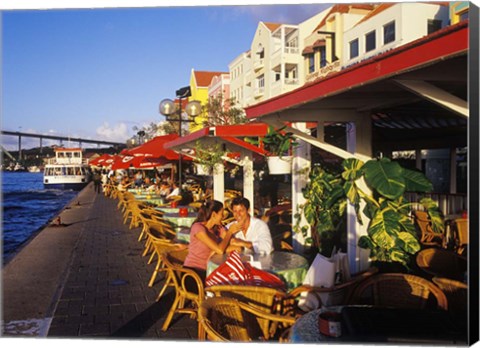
(231, 272)
(325, 272)
(258, 277)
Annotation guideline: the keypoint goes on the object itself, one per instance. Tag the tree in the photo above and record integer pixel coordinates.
(223, 111)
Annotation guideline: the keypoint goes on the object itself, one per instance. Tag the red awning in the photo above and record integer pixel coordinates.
(154, 148)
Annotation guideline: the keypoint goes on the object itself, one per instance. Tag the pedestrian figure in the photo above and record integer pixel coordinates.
(97, 182)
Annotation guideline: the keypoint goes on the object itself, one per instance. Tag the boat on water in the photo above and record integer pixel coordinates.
(67, 170)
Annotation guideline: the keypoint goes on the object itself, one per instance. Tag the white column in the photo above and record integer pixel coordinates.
(358, 140)
(248, 191)
(300, 169)
(219, 183)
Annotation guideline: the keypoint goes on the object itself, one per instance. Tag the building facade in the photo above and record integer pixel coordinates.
(391, 25)
(199, 84)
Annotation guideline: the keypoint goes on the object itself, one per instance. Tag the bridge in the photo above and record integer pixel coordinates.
(80, 141)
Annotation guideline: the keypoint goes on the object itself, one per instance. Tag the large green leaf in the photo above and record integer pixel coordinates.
(385, 176)
(352, 169)
(384, 228)
(408, 243)
(416, 181)
(365, 242)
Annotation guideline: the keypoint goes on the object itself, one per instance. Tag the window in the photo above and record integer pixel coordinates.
(370, 41)
(434, 25)
(353, 48)
(463, 15)
(311, 63)
(389, 33)
(323, 57)
(261, 81)
(277, 76)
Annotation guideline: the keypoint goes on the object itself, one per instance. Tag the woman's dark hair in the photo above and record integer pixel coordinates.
(206, 210)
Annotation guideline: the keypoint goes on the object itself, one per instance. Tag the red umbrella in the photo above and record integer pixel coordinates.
(126, 162)
(154, 148)
(103, 160)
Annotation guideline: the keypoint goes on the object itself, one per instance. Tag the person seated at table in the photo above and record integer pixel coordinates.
(207, 237)
(148, 185)
(175, 191)
(124, 184)
(138, 179)
(249, 232)
(164, 189)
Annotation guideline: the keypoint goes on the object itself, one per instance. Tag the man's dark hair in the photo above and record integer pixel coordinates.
(241, 201)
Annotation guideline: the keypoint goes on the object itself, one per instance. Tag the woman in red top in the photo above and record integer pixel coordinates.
(207, 236)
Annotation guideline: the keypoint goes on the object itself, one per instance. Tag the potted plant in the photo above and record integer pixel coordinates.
(391, 234)
(278, 143)
(207, 157)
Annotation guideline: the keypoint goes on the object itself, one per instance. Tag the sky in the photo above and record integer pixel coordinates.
(97, 73)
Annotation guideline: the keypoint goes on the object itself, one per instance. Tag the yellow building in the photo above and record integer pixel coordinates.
(458, 11)
(199, 83)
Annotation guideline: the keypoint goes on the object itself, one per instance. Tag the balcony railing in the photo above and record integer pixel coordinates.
(449, 203)
(258, 64)
(291, 50)
(259, 92)
(291, 81)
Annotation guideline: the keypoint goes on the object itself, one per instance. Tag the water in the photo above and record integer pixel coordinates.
(27, 207)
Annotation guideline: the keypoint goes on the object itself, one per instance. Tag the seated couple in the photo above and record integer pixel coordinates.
(208, 236)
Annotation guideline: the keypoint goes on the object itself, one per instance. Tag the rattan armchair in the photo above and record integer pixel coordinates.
(159, 245)
(179, 277)
(268, 300)
(457, 296)
(400, 291)
(441, 263)
(152, 229)
(340, 294)
(461, 227)
(227, 319)
(428, 236)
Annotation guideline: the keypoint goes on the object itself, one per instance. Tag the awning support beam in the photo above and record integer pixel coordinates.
(436, 95)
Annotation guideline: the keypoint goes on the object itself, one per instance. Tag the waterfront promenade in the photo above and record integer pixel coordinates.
(87, 278)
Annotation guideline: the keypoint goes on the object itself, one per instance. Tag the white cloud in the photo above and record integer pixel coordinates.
(118, 132)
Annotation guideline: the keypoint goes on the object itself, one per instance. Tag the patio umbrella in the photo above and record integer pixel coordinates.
(102, 160)
(139, 162)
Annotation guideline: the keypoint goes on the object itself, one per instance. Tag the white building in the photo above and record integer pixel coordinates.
(273, 65)
(391, 25)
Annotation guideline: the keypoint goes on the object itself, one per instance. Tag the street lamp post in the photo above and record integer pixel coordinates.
(193, 109)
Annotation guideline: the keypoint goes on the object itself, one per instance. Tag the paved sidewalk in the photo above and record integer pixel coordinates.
(103, 290)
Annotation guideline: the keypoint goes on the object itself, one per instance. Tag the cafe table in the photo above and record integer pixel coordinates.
(290, 267)
(364, 323)
(179, 222)
(170, 210)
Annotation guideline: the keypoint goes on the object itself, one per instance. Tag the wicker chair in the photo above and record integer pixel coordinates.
(159, 246)
(179, 277)
(227, 319)
(400, 291)
(428, 237)
(461, 227)
(441, 263)
(340, 293)
(456, 293)
(265, 299)
(154, 227)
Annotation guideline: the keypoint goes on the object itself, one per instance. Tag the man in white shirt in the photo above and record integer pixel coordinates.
(175, 191)
(249, 232)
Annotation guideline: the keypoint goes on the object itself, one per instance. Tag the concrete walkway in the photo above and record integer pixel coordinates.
(87, 278)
